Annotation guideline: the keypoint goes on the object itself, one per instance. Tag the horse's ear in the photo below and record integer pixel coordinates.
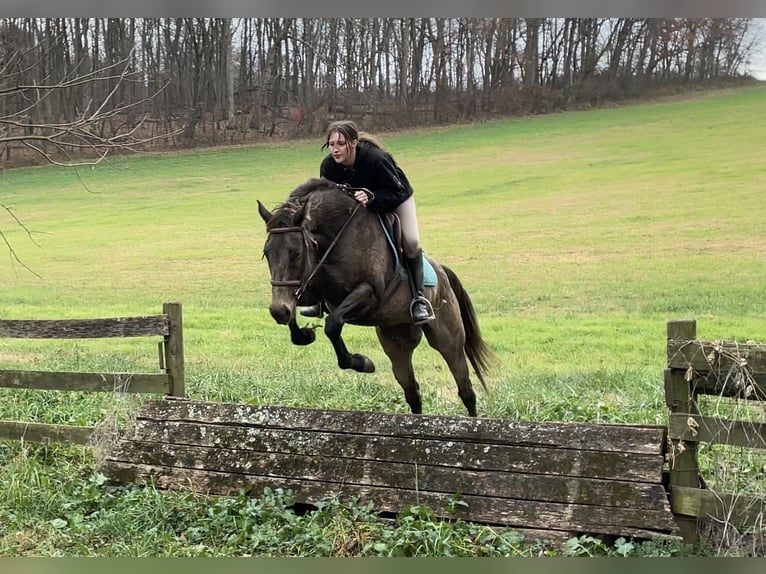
(265, 213)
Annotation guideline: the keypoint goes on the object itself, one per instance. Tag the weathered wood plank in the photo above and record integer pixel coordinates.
(396, 474)
(636, 439)
(92, 382)
(85, 328)
(728, 369)
(41, 432)
(738, 509)
(634, 522)
(173, 347)
(443, 450)
(716, 430)
(513, 474)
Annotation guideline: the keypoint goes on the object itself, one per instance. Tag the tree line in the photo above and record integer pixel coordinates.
(195, 81)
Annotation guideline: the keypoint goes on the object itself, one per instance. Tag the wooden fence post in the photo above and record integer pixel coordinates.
(174, 350)
(684, 467)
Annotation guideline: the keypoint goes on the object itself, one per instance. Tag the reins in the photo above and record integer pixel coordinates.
(302, 284)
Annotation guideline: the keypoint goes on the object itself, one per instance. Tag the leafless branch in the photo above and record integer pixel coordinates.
(11, 251)
(104, 125)
(84, 133)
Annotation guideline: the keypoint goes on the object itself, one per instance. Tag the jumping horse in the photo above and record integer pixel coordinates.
(322, 245)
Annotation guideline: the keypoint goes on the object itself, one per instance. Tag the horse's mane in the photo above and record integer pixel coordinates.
(299, 194)
(284, 213)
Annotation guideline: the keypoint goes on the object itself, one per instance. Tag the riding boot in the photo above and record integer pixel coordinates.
(420, 307)
(313, 311)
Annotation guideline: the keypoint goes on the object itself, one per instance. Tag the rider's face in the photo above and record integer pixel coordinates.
(342, 150)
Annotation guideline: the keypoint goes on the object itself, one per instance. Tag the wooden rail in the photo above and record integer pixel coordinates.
(170, 381)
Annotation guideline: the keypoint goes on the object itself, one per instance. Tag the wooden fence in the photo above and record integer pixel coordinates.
(725, 369)
(546, 480)
(170, 381)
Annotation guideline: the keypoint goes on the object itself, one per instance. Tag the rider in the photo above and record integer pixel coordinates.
(359, 161)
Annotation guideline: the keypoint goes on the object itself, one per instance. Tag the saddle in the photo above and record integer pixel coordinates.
(392, 229)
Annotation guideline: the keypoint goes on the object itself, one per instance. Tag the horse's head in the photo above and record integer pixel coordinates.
(310, 216)
(287, 252)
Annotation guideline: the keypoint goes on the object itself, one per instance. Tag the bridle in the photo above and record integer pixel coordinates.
(308, 241)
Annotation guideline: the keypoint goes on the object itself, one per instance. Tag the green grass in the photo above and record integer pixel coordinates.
(578, 236)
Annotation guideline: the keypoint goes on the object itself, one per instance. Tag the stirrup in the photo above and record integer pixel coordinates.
(430, 310)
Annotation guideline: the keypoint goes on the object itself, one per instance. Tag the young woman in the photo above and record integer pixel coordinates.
(359, 161)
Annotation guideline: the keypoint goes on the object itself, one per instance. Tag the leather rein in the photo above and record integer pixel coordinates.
(308, 240)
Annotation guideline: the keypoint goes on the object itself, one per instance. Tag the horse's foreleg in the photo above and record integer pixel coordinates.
(399, 343)
(301, 335)
(355, 304)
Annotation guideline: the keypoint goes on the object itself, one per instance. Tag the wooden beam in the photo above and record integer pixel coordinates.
(174, 350)
(373, 469)
(90, 382)
(634, 522)
(447, 451)
(682, 455)
(512, 474)
(85, 328)
(737, 509)
(618, 438)
(726, 369)
(40, 432)
(717, 430)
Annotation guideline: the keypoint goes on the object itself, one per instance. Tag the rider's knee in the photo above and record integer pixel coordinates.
(411, 248)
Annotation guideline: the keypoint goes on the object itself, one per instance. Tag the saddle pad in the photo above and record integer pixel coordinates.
(429, 274)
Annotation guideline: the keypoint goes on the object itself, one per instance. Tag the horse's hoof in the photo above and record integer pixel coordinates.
(304, 336)
(362, 364)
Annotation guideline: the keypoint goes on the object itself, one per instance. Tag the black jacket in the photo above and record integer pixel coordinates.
(374, 169)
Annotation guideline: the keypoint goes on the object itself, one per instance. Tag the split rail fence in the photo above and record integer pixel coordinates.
(170, 381)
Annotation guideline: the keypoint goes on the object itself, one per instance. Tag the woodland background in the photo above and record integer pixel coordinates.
(82, 87)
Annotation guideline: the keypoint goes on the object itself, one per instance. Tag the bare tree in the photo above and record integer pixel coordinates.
(100, 127)
(277, 77)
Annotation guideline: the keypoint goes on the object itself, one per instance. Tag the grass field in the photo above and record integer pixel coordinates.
(577, 235)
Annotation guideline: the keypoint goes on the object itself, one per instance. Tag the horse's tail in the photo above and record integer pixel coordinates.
(479, 355)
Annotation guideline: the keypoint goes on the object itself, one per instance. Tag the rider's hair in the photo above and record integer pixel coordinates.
(348, 130)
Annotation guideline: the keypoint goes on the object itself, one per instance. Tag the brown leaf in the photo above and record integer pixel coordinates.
(693, 425)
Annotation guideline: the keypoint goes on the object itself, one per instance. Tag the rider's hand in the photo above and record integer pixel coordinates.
(361, 196)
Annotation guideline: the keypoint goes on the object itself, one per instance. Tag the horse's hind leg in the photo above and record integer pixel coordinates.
(398, 343)
(447, 336)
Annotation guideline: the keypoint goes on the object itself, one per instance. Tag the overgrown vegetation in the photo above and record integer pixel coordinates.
(50, 506)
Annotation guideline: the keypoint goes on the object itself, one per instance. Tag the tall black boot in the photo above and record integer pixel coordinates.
(420, 307)
(314, 311)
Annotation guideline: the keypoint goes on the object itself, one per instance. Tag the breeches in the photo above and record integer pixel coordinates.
(410, 233)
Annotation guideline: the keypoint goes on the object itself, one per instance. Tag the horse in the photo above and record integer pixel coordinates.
(323, 246)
